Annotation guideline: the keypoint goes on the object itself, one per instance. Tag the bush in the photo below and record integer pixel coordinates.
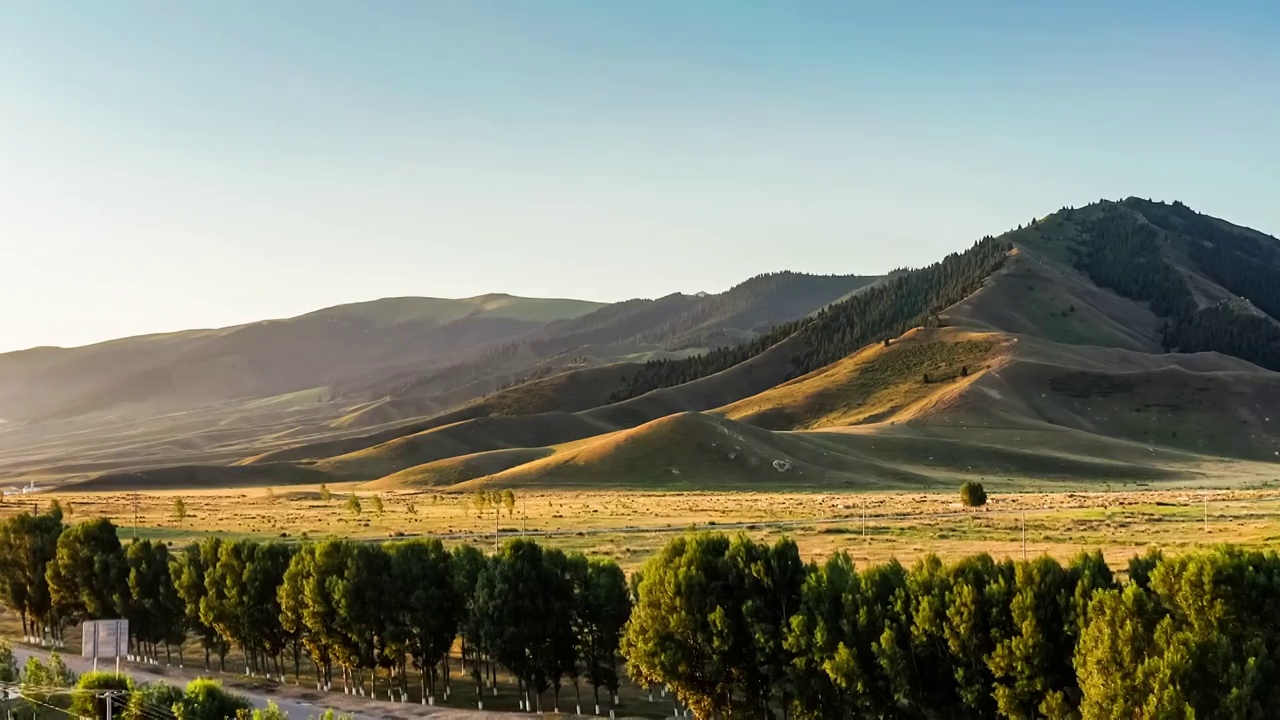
(95, 706)
(972, 494)
(153, 701)
(205, 699)
(8, 665)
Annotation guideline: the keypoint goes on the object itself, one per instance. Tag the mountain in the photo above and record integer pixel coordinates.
(674, 326)
(272, 357)
(216, 396)
(1128, 341)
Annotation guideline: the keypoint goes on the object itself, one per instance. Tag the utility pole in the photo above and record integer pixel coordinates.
(1024, 536)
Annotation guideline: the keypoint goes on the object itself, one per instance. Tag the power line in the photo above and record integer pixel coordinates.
(51, 707)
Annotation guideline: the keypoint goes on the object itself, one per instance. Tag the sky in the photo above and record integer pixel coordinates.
(168, 165)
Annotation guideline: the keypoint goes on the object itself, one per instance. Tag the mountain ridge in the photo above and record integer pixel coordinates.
(1130, 338)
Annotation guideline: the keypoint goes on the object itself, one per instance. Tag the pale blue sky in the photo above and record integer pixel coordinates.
(166, 165)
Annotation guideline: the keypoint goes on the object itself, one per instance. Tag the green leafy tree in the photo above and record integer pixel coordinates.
(154, 608)
(605, 608)
(977, 603)
(28, 543)
(375, 502)
(769, 581)
(187, 571)
(468, 564)
(972, 494)
(1200, 642)
(825, 678)
(38, 677)
(353, 505)
(88, 575)
(325, 494)
(360, 617)
(509, 501)
(427, 609)
(1032, 667)
(523, 602)
(564, 584)
(310, 602)
(265, 575)
(884, 623)
(241, 601)
(179, 510)
(686, 630)
(1141, 566)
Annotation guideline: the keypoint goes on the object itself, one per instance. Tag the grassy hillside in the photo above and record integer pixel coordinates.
(457, 470)
(1205, 403)
(879, 383)
(904, 300)
(707, 452)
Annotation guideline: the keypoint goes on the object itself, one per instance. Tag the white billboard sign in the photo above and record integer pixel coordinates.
(104, 639)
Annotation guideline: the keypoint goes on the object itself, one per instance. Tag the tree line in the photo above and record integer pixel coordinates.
(905, 299)
(744, 630)
(364, 610)
(735, 628)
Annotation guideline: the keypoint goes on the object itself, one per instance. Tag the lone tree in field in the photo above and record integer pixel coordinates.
(972, 494)
(353, 504)
(179, 509)
(325, 495)
(376, 503)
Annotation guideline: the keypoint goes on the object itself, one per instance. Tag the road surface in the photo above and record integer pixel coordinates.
(298, 710)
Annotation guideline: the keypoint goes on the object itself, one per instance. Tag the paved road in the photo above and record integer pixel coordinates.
(297, 710)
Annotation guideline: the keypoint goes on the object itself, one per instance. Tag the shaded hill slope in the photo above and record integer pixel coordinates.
(264, 358)
(614, 332)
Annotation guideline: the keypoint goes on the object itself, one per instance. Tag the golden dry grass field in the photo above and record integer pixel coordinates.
(872, 527)
(632, 526)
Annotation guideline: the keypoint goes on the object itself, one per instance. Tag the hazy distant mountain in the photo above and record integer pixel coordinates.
(271, 357)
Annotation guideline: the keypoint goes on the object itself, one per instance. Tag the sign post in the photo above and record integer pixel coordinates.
(104, 639)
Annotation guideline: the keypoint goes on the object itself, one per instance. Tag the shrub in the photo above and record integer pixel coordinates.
(205, 699)
(153, 701)
(972, 494)
(93, 705)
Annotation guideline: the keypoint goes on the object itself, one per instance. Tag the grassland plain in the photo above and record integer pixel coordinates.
(1121, 519)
